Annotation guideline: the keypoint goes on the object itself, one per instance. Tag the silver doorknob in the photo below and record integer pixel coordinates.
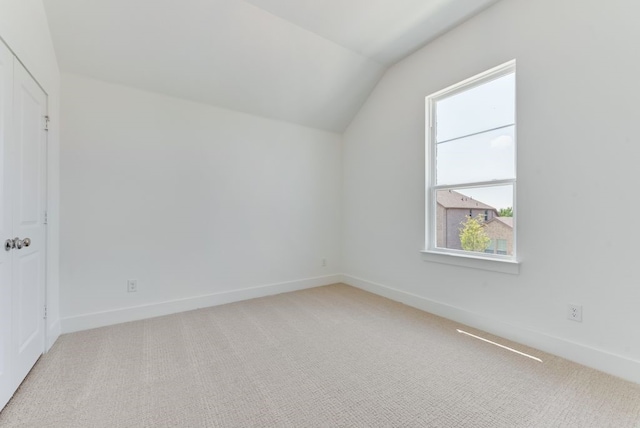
(16, 243)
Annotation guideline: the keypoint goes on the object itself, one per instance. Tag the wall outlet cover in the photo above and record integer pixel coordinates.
(574, 312)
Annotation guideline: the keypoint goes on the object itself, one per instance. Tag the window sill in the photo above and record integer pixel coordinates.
(474, 262)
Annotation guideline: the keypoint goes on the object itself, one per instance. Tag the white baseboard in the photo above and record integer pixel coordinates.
(598, 359)
(53, 332)
(135, 313)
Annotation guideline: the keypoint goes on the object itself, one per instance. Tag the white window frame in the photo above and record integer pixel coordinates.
(432, 253)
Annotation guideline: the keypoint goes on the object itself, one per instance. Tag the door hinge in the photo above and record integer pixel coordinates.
(46, 123)
(46, 217)
(45, 312)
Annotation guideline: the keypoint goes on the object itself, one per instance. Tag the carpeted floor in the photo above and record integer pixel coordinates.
(332, 356)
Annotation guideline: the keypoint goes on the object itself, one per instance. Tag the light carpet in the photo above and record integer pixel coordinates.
(331, 356)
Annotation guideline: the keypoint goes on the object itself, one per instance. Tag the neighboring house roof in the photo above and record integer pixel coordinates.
(453, 199)
(504, 220)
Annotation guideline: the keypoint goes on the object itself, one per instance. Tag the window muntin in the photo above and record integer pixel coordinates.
(471, 149)
(486, 156)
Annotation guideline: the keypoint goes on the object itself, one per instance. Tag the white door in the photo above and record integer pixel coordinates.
(23, 203)
(6, 225)
(29, 201)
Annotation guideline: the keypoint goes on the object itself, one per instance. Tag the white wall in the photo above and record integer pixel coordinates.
(24, 28)
(197, 203)
(578, 155)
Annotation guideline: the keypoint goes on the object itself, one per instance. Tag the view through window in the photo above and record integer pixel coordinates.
(471, 172)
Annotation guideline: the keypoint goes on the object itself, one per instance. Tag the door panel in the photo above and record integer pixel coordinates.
(30, 125)
(6, 227)
(29, 110)
(30, 316)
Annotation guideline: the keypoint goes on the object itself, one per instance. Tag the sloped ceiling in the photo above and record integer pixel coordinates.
(311, 62)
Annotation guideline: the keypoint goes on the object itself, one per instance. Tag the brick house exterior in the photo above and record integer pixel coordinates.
(500, 230)
(454, 208)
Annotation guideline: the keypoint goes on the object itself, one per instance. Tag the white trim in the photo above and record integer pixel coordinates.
(432, 253)
(598, 359)
(45, 291)
(493, 73)
(475, 184)
(53, 333)
(463, 259)
(135, 313)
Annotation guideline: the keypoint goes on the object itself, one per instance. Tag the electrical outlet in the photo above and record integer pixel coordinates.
(324, 262)
(132, 285)
(574, 312)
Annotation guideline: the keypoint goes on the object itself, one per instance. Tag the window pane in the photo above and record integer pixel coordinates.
(491, 248)
(482, 157)
(502, 246)
(456, 206)
(481, 108)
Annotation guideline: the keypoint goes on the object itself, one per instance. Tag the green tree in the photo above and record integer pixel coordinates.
(472, 234)
(506, 212)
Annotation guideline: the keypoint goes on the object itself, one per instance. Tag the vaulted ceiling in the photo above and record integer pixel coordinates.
(311, 62)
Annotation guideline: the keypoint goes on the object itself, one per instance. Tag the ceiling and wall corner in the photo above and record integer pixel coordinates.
(272, 61)
(309, 62)
(255, 190)
(201, 205)
(572, 104)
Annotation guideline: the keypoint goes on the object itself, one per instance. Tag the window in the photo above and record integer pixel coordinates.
(491, 248)
(501, 246)
(498, 246)
(471, 167)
